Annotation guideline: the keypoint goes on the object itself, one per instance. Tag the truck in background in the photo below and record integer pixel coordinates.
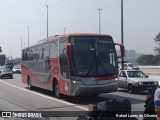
(9, 64)
(2, 59)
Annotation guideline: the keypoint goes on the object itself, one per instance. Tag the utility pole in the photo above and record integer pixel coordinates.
(64, 30)
(21, 47)
(11, 54)
(28, 35)
(122, 41)
(47, 21)
(99, 9)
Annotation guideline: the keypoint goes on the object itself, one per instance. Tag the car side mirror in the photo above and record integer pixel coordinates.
(147, 76)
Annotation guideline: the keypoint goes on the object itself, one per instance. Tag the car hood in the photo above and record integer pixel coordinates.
(139, 79)
(6, 73)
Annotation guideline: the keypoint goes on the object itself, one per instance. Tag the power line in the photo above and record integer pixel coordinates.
(44, 11)
(55, 4)
(93, 13)
(113, 5)
(83, 20)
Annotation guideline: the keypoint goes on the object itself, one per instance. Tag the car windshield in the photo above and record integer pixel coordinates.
(10, 64)
(135, 74)
(130, 65)
(93, 56)
(16, 67)
(6, 70)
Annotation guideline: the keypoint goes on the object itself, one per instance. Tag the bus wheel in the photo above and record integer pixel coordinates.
(30, 87)
(57, 94)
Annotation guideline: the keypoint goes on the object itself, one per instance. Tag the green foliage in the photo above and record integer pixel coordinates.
(157, 40)
(148, 60)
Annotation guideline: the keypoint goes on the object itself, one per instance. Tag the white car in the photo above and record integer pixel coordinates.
(129, 66)
(16, 69)
(135, 80)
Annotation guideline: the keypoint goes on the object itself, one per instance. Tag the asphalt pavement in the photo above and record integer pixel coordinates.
(15, 96)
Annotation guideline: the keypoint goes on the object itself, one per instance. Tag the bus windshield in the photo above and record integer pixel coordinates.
(93, 56)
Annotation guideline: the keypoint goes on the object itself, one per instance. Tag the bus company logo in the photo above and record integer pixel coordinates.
(6, 114)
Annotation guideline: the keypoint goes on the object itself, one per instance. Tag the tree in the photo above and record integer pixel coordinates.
(157, 40)
(145, 60)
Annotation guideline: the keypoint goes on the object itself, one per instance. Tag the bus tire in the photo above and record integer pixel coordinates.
(30, 87)
(57, 94)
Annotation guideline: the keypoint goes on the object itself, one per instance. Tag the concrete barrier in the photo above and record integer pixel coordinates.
(152, 70)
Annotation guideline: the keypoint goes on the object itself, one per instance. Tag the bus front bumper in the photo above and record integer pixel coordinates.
(93, 89)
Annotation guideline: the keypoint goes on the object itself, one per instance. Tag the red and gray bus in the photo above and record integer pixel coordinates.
(72, 64)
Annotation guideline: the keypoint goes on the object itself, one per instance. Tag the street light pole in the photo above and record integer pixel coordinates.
(21, 47)
(99, 9)
(64, 30)
(122, 41)
(11, 54)
(28, 35)
(47, 21)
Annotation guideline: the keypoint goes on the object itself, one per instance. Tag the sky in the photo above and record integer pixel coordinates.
(141, 22)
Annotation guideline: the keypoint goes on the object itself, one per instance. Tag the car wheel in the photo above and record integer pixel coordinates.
(57, 94)
(130, 89)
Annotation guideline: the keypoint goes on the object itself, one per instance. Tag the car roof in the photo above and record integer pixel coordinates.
(127, 63)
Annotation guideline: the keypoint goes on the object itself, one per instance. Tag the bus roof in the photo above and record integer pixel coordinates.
(75, 34)
(52, 38)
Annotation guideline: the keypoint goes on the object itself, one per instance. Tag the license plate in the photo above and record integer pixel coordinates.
(97, 89)
(149, 88)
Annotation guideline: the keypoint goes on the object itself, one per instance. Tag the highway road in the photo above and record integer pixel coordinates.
(15, 96)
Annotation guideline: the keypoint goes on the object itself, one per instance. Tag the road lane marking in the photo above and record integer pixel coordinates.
(51, 98)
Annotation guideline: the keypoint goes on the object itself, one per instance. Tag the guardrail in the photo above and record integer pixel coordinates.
(156, 67)
(153, 70)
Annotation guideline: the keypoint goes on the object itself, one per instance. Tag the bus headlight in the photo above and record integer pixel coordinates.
(114, 80)
(77, 82)
(155, 83)
(140, 83)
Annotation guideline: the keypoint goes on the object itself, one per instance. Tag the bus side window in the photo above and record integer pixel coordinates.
(42, 53)
(23, 55)
(46, 51)
(53, 49)
(45, 55)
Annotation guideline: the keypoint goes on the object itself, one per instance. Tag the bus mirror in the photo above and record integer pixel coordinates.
(122, 50)
(69, 50)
